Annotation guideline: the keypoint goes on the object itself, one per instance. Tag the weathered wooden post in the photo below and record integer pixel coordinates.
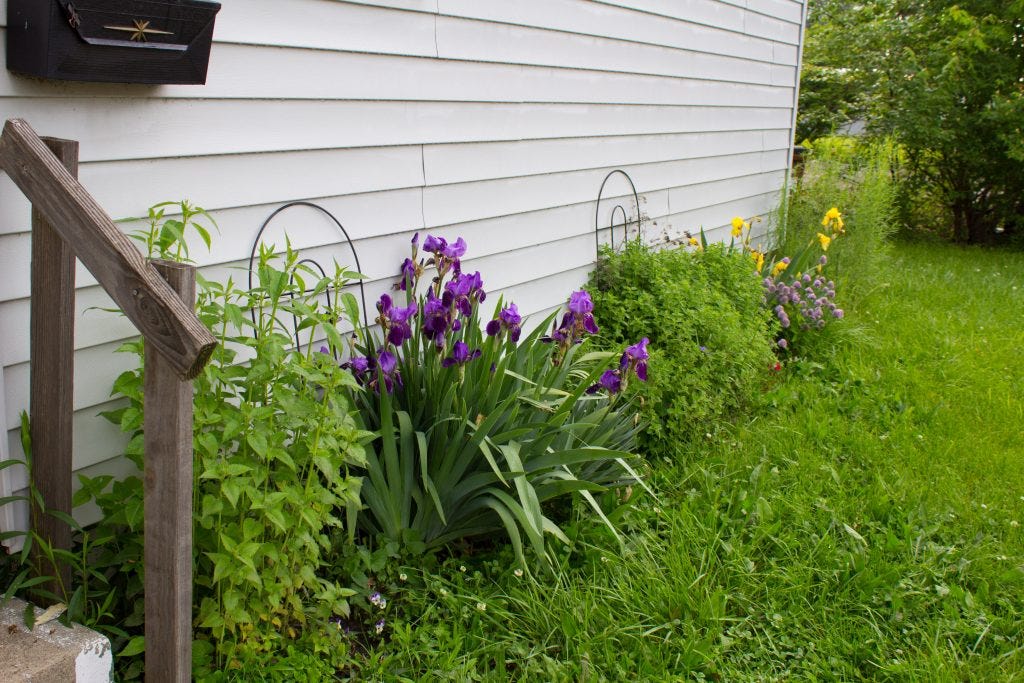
(52, 351)
(177, 348)
(167, 405)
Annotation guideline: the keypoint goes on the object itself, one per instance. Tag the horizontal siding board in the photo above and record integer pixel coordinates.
(288, 73)
(316, 24)
(474, 40)
(707, 12)
(471, 201)
(445, 164)
(127, 130)
(595, 19)
(786, 10)
(378, 213)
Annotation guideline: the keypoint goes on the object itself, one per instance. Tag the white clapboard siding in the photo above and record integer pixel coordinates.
(496, 121)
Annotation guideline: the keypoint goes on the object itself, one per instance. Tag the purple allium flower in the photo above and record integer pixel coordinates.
(786, 260)
(823, 260)
(806, 278)
(784, 322)
(838, 313)
(782, 343)
(460, 355)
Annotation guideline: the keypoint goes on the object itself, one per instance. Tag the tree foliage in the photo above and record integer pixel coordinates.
(946, 79)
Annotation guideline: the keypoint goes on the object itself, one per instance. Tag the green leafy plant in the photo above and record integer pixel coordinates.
(165, 237)
(481, 432)
(710, 333)
(274, 441)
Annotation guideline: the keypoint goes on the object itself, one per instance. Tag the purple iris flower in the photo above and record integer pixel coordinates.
(580, 303)
(461, 291)
(436, 319)
(460, 355)
(453, 251)
(635, 358)
(509, 320)
(359, 366)
(409, 275)
(435, 245)
(395, 319)
(610, 380)
(387, 363)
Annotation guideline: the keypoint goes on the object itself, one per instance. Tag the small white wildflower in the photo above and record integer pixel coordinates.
(481, 606)
(462, 568)
(984, 507)
(656, 509)
(604, 559)
(1001, 558)
(403, 577)
(518, 573)
(444, 592)
(1014, 523)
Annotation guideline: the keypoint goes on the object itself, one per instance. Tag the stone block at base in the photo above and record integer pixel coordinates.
(51, 652)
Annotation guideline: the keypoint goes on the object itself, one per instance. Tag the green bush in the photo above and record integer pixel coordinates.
(710, 336)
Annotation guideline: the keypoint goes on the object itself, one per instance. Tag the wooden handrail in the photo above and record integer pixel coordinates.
(149, 302)
(159, 297)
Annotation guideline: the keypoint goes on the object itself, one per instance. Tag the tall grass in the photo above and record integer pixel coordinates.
(855, 177)
(864, 524)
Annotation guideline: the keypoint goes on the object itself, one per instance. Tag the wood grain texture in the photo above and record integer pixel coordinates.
(52, 351)
(167, 401)
(172, 328)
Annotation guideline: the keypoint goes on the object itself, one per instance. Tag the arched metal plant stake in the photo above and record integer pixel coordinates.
(616, 208)
(309, 262)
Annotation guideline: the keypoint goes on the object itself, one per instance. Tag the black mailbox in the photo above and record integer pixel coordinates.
(111, 41)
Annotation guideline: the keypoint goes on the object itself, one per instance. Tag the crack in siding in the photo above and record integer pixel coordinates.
(423, 188)
(437, 11)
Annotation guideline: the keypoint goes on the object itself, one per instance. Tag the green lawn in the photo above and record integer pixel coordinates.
(863, 524)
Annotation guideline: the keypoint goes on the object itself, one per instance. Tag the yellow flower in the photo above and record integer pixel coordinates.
(738, 225)
(758, 259)
(694, 242)
(833, 219)
(779, 267)
(825, 240)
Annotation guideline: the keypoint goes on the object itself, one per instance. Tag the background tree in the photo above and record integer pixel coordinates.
(943, 77)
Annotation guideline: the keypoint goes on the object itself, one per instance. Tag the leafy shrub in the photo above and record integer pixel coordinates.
(709, 334)
(478, 431)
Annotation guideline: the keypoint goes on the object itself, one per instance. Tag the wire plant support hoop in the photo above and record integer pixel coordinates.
(617, 209)
(312, 263)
